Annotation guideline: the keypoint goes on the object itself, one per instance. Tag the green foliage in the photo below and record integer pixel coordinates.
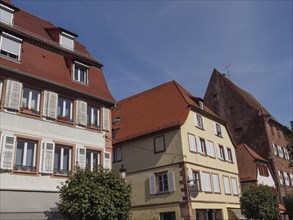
(97, 194)
(289, 205)
(259, 202)
(289, 137)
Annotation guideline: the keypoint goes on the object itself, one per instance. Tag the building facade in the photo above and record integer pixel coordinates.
(55, 112)
(179, 157)
(250, 123)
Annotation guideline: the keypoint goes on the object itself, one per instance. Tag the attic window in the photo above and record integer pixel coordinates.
(10, 46)
(80, 72)
(201, 105)
(67, 40)
(6, 14)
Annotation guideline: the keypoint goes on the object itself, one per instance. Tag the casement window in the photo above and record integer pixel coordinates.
(10, 46)
(275, 149)
(192, 142)
(93, 159)
(80, 73)
(263, 170)
(25, 158)
(67, 40)
(64, 111)
(286, 154)
(280, 151)
(221, 154)
(107, 160)
(227, 186)
(198, 120)
(159, 144)
(117, 154)
(30, 100)
(93, 117)
(206, 182)
(6, 14)
(201, 145)
(201, 105)
(13, 95)
(281, 176)
(234, 186)
(287, 179)
(106, 119)
(194, 178)
(216, 183)
(229, 155)
(50, 102)
(81, 113)
(62, 159)
(210, 148)
(162, 182)
(8, 152)
(217, 130)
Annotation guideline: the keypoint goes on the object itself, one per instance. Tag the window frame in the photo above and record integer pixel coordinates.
(213, 182)
(155, 145)
(221, 152)
(90, 117)
(192, 142)
(77, 67)
(29, 101)
(229, 155)
(92, 152)
(116, 157)
(234, 181)
(228, 182)
(218, 130)
(63, 37)
(61, 171)
(10, 54)
(9, 11)
(199, 121)
(63, 108)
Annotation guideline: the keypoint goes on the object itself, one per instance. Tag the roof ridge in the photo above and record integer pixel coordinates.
(181, 90)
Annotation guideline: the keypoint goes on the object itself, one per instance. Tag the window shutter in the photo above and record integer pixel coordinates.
(192, 143)
(152, 184)
(106, 119)
(219, 152)
(107, 157)
(227, 185)
(50, 104)
(48, 156)
(234, 186)
(81, 113)
(13, 94)
(190, 177)
(11, 43)
(171, 181)
(216, 183)
(202, 181)
(207, 178)
(6, 16)
(195, 119)
(8, 152)
(81, 157)
(226, 153)
(215, 128)
(198, 145)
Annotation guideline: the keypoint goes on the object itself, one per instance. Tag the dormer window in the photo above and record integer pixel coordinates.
(201, 105)
(80, 73)
(6, 14)
(67, 41)
(10, 46)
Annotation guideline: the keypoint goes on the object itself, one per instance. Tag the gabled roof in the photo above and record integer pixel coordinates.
(159, 108)
(247, 162)
(249, 99)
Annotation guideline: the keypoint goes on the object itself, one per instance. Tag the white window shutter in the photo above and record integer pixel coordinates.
(227, 185)
(81, 113)
(82, 157)
(48, 156)
(190, 177)
(52, 104)
(216, 183)
(45, 103)
(198, 144)
(152, 184)
(107, 159)
(192, 142)
(215, 128)
(106, 119)
(171, 181)
(226, 153)
(234, 186)
(13, 94)
(8, 152)
(202, 181)
(208, 182)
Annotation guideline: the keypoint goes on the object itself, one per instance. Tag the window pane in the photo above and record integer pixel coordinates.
(88, 160)
(30, 154)
(76, 74)
(60, 107)
(67, 108)
(57, 158)
(19, 153)
(66, 156)
(95, 160)
(25, 98)
(34, 101)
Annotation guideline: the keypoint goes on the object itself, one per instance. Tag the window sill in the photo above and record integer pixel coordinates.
(162, 193)
(92, 126)
(23, 172)
(201, 128)
(30, 112)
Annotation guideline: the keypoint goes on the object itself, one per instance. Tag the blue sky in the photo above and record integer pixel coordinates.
(143, 44)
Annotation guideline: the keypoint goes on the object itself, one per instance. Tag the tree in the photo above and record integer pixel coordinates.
(289, 137)
(98, 194)
(259, 202)
(289, 205)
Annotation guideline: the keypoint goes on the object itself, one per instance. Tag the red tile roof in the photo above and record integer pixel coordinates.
(247, 162)
(48, 62)
(162, 107)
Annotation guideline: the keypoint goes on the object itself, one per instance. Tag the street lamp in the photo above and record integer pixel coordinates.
(122, 172)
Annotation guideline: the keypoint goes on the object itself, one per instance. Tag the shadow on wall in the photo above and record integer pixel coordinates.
(53, 214)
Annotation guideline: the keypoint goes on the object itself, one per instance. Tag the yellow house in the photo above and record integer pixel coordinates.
(179, 157)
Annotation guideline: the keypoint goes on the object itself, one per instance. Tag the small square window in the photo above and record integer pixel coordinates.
(80, 73)
(117, 154)
(159, 143)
